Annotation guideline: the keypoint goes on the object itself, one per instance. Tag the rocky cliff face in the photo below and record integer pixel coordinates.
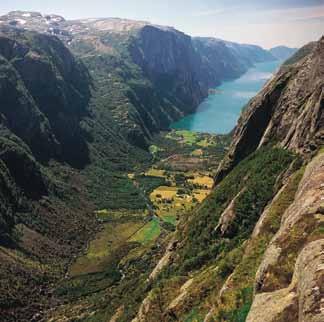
(287, 113)
(168, 58)
(289, 280)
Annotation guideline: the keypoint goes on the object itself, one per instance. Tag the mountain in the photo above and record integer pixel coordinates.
(40, 94)
(252, 251)
(45, 91)
(283, 52)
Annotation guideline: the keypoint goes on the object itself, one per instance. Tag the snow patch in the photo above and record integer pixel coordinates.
(27, 15)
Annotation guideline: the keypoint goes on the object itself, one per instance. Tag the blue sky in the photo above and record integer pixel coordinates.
(264, 22)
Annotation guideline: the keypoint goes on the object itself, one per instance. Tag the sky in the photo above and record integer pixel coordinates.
(263, 22)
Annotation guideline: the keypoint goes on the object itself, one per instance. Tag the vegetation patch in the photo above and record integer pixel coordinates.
(164, 192)
(106, 241)
(121, 215)
(186, 137)
(185, 192)
(148, 233)
(185, 150)
(194, 316)
(197, 153)
(154, 149)
(202, 181)
(154, 172)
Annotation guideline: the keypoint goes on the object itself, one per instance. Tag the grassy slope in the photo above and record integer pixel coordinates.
(257, 175)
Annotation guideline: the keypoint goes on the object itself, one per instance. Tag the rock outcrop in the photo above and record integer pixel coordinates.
(285, 291)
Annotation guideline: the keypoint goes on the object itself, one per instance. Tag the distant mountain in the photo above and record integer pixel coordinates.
(282, 52)
(226, 60)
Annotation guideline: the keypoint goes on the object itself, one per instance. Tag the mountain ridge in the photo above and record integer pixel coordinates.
(123, 42)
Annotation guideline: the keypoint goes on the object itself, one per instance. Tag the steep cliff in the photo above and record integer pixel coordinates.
(168, 58)
(289, 280)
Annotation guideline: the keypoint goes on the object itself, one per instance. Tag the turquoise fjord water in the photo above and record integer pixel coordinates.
(220, 111)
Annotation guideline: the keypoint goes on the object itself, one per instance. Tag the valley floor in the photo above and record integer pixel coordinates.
(115, 268)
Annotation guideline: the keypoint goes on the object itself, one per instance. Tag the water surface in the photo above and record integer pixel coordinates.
(220, 111)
